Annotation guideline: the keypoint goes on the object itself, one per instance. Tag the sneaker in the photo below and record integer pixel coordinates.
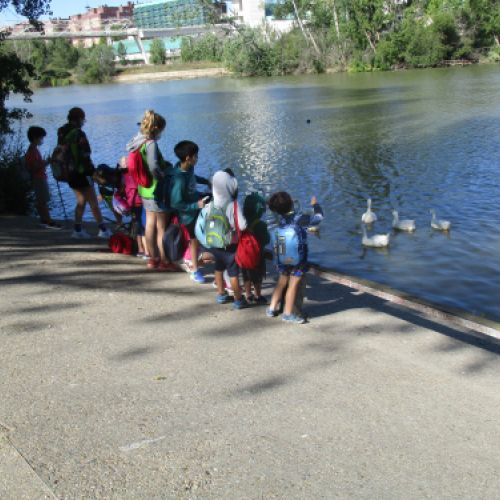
(251, 298)
(153, 263)
(222, 299)
(271, 313)
(293, 318)
(104, 234)
(80, 235)
(260, 301)
(167, 266)
(240, 304)
(140, 255)
(197, 276)
(53, 225)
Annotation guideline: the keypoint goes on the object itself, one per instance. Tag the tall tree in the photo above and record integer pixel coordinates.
(15, 74)
(157, 52)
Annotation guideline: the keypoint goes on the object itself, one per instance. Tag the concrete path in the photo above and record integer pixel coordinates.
(119, 383)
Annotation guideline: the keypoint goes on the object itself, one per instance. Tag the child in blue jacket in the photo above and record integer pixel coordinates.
(291, 261)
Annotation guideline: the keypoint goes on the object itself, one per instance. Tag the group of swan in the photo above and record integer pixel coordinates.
(408, 225)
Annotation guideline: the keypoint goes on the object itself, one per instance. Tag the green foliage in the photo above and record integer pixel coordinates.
(157, 52)
(122, 53)
(208, 47)
(96, 65)
(15, 195)
(62, 55)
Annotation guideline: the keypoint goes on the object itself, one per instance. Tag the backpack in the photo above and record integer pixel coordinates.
(164, 188)
(137, 169)
(121, 243)
(62, 163)
(174, 241)
(249, 251)
(120, 204)
(290, 245)
(217, 229)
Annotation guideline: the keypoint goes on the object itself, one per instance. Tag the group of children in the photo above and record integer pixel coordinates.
(213, 221)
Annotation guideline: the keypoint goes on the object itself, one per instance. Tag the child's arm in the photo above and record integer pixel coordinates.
(202, 180)
(153, 159)
(307, 220)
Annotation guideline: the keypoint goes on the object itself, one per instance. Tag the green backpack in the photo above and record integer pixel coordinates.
(217, 228)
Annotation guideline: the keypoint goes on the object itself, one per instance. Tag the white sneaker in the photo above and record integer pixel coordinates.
(80, 235)
(106, 234)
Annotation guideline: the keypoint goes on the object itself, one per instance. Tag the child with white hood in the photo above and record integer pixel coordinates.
(216, 231)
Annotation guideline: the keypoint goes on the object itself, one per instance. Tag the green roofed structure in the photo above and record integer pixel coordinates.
(171, 14)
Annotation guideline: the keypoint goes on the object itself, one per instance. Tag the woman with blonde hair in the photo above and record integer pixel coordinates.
(151, 127)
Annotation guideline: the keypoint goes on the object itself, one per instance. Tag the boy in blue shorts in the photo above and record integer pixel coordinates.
(290, 247)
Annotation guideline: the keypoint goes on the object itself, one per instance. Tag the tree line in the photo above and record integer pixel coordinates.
(358, 35)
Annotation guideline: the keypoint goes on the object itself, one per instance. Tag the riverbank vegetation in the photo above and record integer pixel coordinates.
(359, 35)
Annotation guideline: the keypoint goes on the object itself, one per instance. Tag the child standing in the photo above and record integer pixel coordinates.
(157, 216)
(216, 229)
(36, 166)
(291, 252)
(186, 200)
(254, 208)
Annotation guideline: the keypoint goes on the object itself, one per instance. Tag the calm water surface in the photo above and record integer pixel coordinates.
(412, 140)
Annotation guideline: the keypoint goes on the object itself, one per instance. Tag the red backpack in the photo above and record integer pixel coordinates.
(249, 251)
(121, 243)
(136, 168)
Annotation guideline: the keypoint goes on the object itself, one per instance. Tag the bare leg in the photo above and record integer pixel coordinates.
(194, 245)
(258, 289)
(43, 212)
(140, 246)
(278, 291)
(80, 205)
(248, 288)
(299, 299)
(291, 294)
(162, 220)
(235, 285)
(91, 197)
(219, 281)
(151, 234)
(144, 245)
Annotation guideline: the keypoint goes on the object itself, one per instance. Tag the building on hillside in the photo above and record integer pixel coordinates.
(101, 18)
(56, 25)
(175, 13)
(255, 13)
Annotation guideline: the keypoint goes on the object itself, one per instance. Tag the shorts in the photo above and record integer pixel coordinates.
(41, 188)
(78, 181)
(224, 260)
(151, 205)
(256, 275)
(297, 271)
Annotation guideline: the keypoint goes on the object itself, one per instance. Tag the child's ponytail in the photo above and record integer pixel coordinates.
(152, 124)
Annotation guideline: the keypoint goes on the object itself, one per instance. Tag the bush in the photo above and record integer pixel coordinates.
(157, 52)
(15, 192)
(424, 47)
(208, 47)
(96, 65)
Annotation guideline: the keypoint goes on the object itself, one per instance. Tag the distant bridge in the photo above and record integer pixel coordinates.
(137, 33)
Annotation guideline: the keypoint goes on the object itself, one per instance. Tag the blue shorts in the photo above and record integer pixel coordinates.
(297, 271)
(151, 205)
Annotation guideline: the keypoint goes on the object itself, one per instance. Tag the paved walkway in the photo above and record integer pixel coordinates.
(118, 383)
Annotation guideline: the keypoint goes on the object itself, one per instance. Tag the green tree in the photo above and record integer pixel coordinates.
(157, 52)
(122, 53)
(96, 65)
(15, 74)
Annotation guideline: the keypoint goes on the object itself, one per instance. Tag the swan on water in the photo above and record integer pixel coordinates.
(439, 224)
(404, 224)
(376, 241)
(368, 217)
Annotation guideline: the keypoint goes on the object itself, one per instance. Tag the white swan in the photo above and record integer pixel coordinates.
(439, 224)
(368, 217)
(376, 241)
(404, 224)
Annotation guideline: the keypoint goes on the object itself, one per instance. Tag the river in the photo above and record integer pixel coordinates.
(410, 140)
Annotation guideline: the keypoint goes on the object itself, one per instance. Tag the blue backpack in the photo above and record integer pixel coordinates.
(290, 246)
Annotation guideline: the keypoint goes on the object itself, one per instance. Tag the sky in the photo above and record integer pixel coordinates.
(60, 8)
